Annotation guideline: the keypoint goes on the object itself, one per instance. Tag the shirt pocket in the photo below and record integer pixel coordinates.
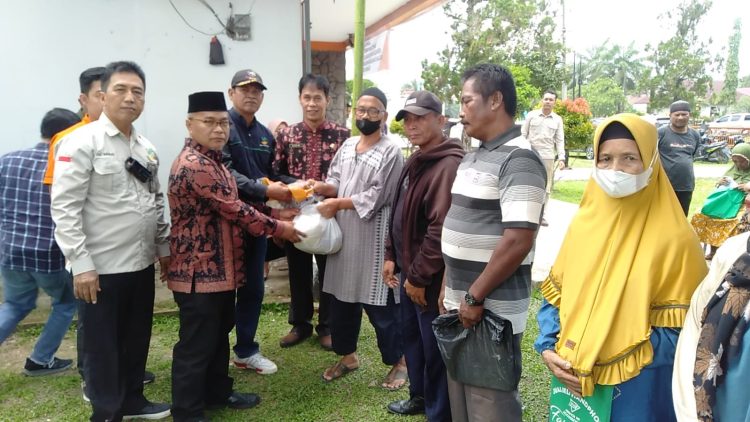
(107, 175)
(550, 127)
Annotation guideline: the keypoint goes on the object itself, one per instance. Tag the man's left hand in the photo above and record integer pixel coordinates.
(328, 207)
(561, 164)
(470, 315)
(416, 294)
(164, 267)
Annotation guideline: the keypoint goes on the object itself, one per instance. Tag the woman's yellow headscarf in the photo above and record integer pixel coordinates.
(625, 265)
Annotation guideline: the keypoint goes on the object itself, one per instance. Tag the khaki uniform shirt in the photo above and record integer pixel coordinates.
(545, 134)
(106, 219)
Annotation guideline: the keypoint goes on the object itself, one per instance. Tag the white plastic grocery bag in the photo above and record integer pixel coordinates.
(322, 235)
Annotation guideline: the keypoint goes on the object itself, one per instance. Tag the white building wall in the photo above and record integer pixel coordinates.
(47, 43)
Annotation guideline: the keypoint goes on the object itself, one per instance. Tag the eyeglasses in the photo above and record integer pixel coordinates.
(371, 112)
(212, 123)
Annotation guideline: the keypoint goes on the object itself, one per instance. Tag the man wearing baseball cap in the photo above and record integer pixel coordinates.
(678, 144)
(249, 156)
(413, 260)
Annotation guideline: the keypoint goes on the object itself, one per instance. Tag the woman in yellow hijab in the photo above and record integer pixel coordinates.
(621, 284)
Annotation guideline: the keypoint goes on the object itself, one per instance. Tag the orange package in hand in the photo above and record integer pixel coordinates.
(300, 193)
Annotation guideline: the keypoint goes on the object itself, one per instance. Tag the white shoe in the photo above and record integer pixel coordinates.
(256, 362)
(83, 392)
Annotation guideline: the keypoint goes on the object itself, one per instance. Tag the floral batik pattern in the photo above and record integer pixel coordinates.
(724, 323)
(208, 220)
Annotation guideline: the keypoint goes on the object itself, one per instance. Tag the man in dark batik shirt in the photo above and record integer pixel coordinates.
(206, 246)
(305, 151)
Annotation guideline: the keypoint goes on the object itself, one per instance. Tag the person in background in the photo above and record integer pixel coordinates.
(678, 144)
(91, 101)
(360, 187)
(614, 318)
(105, 184)
(206, 266)
(29, 257)
(714, 231)
(304, 152)
(413, 251)
(545, 131)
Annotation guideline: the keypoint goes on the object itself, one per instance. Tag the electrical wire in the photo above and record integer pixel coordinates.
(251, 7)
(212, 11)
(191, 26)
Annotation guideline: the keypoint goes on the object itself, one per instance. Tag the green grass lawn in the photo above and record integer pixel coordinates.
(572, 191)
(295, 393)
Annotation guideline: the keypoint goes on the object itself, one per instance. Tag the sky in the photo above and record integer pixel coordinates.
(589, 23)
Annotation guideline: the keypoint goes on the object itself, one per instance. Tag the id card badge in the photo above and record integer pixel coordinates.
(565, 407)
(153, 182)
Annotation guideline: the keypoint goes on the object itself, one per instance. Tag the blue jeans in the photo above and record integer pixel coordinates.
(250, 297)
(20, 289)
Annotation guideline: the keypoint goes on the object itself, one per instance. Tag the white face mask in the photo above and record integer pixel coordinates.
(619, 184)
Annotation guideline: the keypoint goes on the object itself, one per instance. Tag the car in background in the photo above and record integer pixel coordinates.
(661, 121)
(731, 124)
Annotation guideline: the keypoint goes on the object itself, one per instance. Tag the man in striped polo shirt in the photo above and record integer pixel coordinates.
(488, 234)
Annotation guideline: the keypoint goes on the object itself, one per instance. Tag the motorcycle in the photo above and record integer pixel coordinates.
(713, 152)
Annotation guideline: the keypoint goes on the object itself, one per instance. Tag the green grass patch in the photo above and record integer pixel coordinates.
(568, 190)
(295, 393)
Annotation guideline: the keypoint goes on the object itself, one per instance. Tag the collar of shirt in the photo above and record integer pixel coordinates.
(212, 154)
(540, 113)
(512, 133)
(112, 131)
(239, 121)
(327, 124)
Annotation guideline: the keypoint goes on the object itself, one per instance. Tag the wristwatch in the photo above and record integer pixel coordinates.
(472, 301)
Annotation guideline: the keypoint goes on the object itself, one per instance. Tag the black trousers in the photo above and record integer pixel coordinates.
(200, 359)
(301, 309)
(115, 346)
(346, 321)
(684, 196)
(427, 373)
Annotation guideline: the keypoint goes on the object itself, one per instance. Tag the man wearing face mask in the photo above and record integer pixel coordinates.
(362, 181)
(678, 144)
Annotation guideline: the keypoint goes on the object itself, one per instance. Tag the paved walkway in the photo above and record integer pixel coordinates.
(559, 215)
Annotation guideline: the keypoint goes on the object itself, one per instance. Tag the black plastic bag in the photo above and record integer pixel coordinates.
(485, 355)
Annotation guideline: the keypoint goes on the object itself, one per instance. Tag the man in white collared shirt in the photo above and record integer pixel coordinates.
(109, 213)
(545, 132)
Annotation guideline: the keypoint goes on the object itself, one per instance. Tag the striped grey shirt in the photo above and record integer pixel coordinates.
(500, 185)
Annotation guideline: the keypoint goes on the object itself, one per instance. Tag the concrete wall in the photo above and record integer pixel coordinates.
(332, 65)
(46, 44)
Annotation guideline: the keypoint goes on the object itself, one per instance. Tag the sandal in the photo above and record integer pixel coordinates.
(337, 371)
(396, 378)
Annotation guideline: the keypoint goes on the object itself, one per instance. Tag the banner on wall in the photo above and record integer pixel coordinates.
(376, 54)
